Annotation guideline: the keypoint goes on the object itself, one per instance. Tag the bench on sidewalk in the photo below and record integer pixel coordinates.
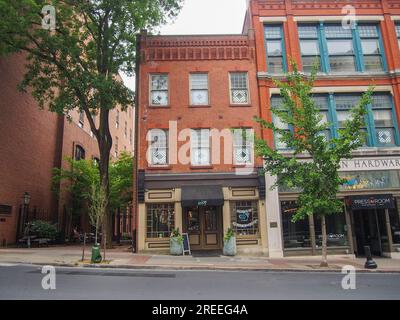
(37, 242)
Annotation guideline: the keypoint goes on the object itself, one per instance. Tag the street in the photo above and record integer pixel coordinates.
(24, 282)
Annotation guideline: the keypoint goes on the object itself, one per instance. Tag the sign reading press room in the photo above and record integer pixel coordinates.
(383, 201)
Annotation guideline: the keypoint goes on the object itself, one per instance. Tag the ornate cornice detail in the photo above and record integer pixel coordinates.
(168, 48)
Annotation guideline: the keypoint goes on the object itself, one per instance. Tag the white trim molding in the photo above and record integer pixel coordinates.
(395, 18)
(272, 19)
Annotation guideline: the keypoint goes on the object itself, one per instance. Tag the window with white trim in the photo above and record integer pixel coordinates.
(239, 88)
(159, 90)
(243, 146)
(200, 147)
(199, 89)
(158, 147)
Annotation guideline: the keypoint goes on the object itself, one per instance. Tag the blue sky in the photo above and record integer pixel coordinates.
(205, 17)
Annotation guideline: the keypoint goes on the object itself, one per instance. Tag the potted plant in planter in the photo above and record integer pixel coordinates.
(176, 243)
(229, 243)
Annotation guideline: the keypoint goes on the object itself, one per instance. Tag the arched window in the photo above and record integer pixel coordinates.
(79, 153)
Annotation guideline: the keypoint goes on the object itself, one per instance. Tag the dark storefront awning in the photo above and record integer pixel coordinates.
(193, 196)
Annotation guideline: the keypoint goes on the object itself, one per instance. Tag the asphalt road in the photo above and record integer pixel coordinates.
(24, 282)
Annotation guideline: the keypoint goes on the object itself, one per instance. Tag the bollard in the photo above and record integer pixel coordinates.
(370, 264)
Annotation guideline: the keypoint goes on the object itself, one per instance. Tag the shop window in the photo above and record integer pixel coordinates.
(244, 217)
(394, 216)
(243, 146)
(159, 95)
(158, 147)
(336, 230)
(160, 220)
(199, 89)
(80, 153)
(295, 234)
(275, 49)
(200, 147)
(239, 88)
(310, 47)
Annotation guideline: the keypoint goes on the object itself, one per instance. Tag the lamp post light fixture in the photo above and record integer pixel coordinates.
(27, 198)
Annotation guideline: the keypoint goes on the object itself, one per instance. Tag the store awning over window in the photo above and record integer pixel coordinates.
(200, 196)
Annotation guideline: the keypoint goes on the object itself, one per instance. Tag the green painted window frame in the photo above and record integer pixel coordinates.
(277, 38)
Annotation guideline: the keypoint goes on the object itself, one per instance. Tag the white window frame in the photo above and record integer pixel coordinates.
(231, 89)
(248, 144)
(199, 147)
(151, 146)
(192, 103)
(151, 89)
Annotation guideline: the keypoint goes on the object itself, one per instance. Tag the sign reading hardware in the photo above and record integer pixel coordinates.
(385, 201)
(370, 164)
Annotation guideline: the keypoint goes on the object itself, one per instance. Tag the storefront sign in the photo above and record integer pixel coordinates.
(244, 218)
(202, 203)
(371, 202)
(374, 164)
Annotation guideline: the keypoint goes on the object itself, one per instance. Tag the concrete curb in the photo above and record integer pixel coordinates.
(200, 268)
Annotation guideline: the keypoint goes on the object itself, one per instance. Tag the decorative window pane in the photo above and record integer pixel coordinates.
(244, 217)
(199, 89)
(200, 147)
(159, 90)
(308, 32)
(368, 31)
(385, 137)
(321, 101)
(346, 101)
(337, 31)
(273, 32)
(243, 146)
(381, 101)
(239, 88)
(160, 220)
(383, 120)
(158, 147)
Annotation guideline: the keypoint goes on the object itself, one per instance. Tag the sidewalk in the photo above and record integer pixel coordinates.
(121, 257)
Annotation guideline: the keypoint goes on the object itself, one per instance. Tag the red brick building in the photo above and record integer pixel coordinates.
(190, 86)
(357, 45)
(33, 142)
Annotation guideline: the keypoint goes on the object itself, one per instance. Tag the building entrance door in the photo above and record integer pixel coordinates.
(369, 227)
(204, 226)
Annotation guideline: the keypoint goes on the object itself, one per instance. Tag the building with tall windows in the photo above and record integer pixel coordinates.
(197, 169)
(200, 83)
(35, 141)
(351, 53)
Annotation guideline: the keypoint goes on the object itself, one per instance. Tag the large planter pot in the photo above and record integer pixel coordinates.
(96, 255)
(176, 246)
(230, 247)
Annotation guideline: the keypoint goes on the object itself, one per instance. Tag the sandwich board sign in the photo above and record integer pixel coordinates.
(186, 244)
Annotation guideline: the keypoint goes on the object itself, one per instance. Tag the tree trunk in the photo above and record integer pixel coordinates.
(105, 144)
(324, 262)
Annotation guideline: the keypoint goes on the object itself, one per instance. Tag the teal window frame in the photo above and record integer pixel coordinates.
(356, 40)
(280, 38)
(274, 117)
(372, 140)
(316, 38)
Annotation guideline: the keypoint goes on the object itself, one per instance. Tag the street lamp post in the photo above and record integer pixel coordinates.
(26, 199)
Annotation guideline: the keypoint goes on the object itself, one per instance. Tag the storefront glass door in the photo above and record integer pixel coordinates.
(204, 226)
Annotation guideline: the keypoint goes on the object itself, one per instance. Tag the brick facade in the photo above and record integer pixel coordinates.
(33, 142)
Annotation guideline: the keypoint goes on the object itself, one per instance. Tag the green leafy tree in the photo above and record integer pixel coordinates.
(76, 65)
(318, 177)
(80, 176)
